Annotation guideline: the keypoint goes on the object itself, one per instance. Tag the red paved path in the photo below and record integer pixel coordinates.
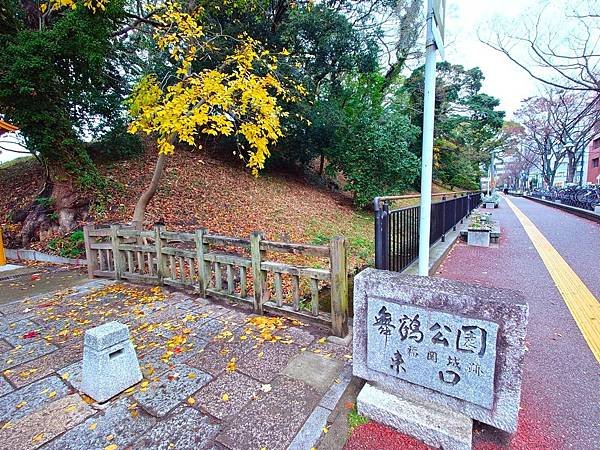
(561, 384)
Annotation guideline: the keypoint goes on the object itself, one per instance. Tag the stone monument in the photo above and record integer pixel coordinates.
(110, 364)
(437, 354)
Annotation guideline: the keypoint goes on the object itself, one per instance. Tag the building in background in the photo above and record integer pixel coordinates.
(593, 159)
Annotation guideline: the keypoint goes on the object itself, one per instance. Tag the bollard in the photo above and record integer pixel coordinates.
(110, 363)
(2, 255)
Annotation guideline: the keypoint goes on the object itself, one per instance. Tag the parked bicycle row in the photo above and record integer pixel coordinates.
(586, 197)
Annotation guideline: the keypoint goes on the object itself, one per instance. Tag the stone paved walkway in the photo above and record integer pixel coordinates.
(215, 376)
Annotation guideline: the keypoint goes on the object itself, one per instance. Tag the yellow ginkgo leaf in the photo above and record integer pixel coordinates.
(225, 397)
(52, 394)
(93, 426)
(191, 401)
(111, 447)
(38, 437)
(20, 404)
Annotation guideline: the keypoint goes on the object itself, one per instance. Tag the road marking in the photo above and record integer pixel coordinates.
(584, 307)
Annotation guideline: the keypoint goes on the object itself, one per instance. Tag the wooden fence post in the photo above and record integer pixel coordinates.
(161, 267)
(117, 259)
(257, 275)
(90, 254)
(339, 286)
(203, 276)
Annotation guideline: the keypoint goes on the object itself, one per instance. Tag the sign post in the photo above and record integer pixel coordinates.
(435, 41)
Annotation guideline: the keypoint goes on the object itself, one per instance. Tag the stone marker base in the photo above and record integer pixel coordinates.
(478, 238)
(430, 423)
(490, 205)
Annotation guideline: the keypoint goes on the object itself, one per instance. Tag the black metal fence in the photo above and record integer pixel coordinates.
(397, 230)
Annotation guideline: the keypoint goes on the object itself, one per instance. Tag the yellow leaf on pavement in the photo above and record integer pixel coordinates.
(191, 401)
(225, 397)
(38, 437)
(111, 447)
(93, 426)
(20, 404)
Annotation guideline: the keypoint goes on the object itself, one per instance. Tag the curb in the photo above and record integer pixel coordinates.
(437, 254)
(34, 255)
(586, 214)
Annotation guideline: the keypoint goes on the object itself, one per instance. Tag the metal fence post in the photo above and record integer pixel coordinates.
(381, 237)
(454, 201)
(443, 219)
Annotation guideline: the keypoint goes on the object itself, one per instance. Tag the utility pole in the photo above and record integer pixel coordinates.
(435, 30)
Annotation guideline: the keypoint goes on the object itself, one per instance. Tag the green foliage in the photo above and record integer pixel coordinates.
(117, 144)
(59, 80)
(355, 419)
(372, 144)
(71, 246)
(467, 123)
(46, 202)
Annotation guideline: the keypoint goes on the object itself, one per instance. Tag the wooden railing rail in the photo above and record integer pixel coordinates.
(197, 261)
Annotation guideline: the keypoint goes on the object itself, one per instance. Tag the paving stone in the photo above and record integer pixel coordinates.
(265, 362)
(41, 367)
(44, 424)
(20, 355)
(17, 327)
(299, 336)
(185, 429)
(240, 389)
(209, 330)
(164, 394)
(23, 401)
(331, 350)
(72, 374)
(121, 420)
(5, 346)
(311, 431)
(336, 390)
(25, 338)
(17, 311)
(314, 369)
(153, 364)
(5, 387)
(273, 421)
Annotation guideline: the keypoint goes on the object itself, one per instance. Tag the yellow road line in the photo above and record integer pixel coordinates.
(584, 307)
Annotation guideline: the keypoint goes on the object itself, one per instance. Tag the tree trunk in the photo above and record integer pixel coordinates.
(570, 168)
(142, 203)
(321, 164)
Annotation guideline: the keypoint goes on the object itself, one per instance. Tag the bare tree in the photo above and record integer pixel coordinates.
(557, 124)
(562, 52)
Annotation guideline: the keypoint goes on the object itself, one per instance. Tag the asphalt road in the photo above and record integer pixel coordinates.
(561, 380)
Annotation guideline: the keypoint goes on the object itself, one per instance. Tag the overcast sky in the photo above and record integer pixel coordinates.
(503, 78)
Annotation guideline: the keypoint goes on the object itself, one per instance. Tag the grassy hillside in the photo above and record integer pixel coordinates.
(202, 191)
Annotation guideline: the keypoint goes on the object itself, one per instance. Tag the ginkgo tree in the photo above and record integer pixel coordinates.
(240, 96)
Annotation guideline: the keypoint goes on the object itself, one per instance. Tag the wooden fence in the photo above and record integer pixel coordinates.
(201, 261)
